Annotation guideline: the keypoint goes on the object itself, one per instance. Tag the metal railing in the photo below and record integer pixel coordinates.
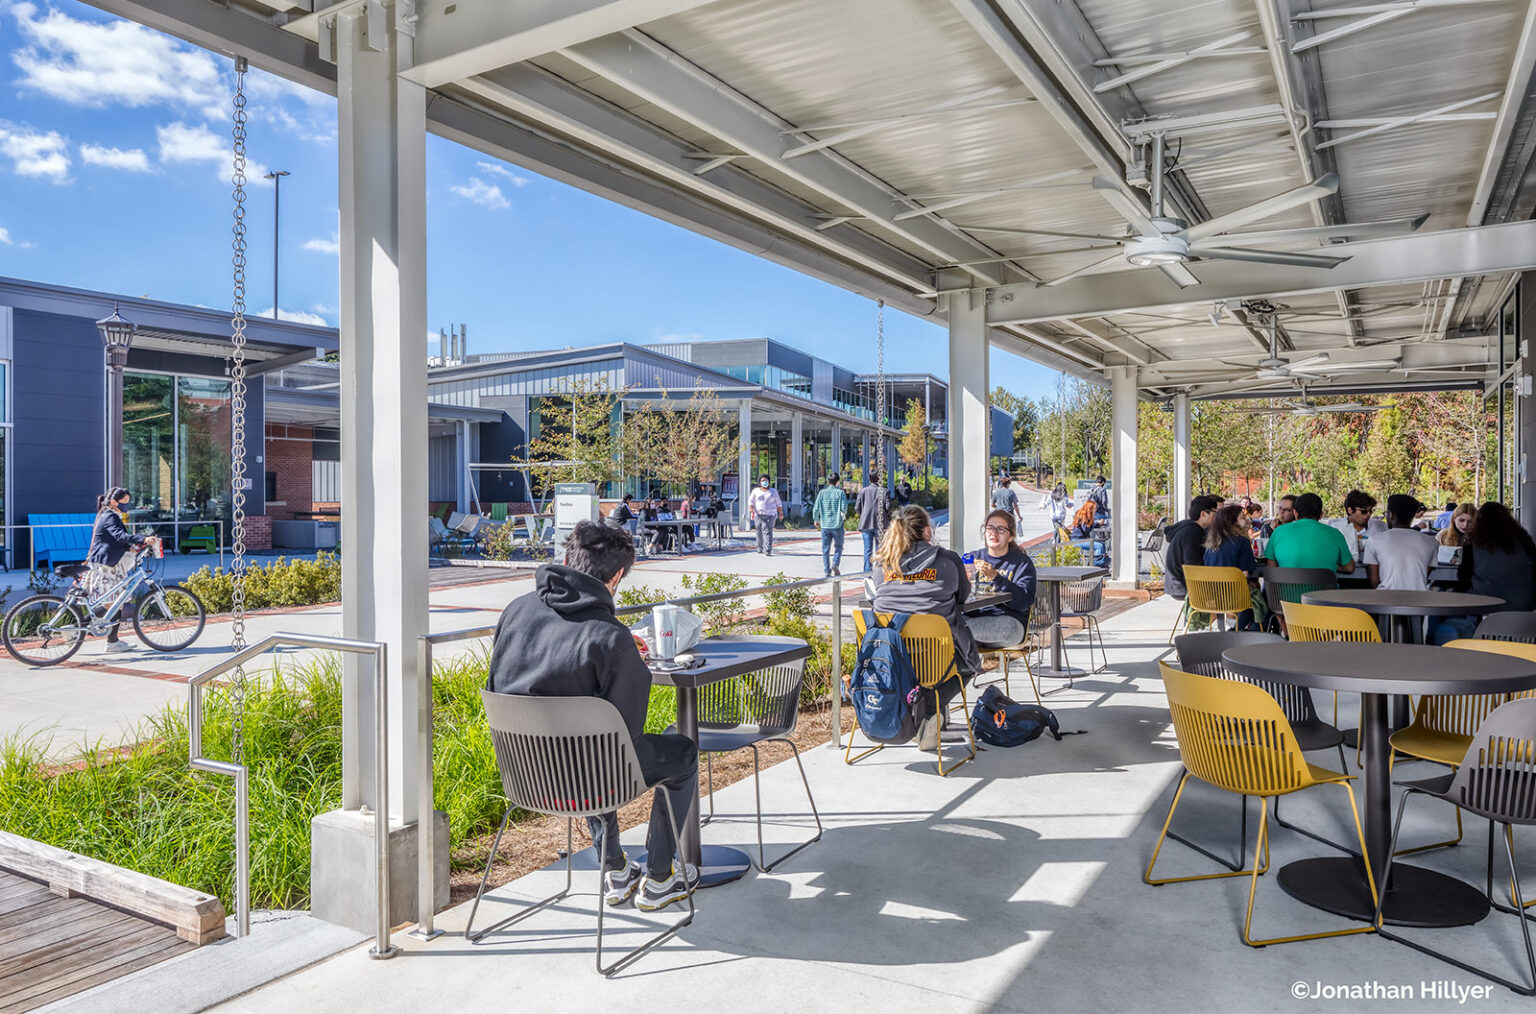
(380, 652)
(177, 526)
(426, 841)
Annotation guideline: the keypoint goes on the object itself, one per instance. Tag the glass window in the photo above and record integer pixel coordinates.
(149, 445)
(5, 402)
(203, 442)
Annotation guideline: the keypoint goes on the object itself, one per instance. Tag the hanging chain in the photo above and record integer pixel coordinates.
(880, 404)
(237, 417)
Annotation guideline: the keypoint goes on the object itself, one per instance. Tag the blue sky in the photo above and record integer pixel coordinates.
(114, 161)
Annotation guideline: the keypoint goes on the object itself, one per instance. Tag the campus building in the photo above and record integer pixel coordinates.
(806, 417)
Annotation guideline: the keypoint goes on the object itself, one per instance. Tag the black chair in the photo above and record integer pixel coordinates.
(1497, 781)
(1083, 599)
(1201, 653)
(1508, 626)
(1289, 584)
(760, 707)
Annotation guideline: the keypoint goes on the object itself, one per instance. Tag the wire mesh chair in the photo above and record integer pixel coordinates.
(1289, 584)
(1042, 618)
(931, 646)
(566, 757)
(1507, 626)
(1201, 653)
(1082, 599)
(760, 707)
(1232, 735)
(1496, 780)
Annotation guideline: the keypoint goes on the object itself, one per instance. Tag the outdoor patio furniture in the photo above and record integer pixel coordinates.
(1083, 599)
(759, 707)
(1508, 626)
(1289, 584)
(1233, 736)
(498, 512)
(1494, 780)
(60, 538)
(204, 537)
(931, 645)
(1219, 591)
(565, 757)
(1154, 544)
(1305, 622)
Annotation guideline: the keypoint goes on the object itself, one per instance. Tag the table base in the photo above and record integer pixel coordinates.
(1419, 897)
(1064, 673)
(722, 864)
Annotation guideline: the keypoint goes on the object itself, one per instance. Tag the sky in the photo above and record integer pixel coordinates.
(115, 148)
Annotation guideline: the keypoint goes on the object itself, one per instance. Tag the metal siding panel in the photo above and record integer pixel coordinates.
(58, 447)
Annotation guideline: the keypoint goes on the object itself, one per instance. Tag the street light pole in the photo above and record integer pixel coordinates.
(116, 336)
(276, 176)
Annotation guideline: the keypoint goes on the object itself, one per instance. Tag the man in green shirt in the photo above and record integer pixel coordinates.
(829, 512)
(1307, 542)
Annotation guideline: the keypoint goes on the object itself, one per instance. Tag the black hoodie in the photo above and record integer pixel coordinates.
(1186, 544)
(563, 640)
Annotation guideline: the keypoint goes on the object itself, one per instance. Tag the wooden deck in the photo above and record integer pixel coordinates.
(52, 947)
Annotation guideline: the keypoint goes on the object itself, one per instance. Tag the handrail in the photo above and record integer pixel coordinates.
(426, 843)
(8, 544)
(380, 652)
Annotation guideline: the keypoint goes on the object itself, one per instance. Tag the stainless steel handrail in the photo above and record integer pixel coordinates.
(380, 652)
(425, 842)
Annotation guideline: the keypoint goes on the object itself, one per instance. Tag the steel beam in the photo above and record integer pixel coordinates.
(649, 70)
(458, 41)
(1521, 85)
(968, 417)
(1418, 257)
(1124, 412)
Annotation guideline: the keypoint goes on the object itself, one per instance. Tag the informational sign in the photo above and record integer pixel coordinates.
(730, 486)
(574, 502)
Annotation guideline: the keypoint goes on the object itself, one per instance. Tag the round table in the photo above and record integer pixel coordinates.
(1416, 896)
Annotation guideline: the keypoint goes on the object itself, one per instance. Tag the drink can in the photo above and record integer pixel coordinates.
(664, 626)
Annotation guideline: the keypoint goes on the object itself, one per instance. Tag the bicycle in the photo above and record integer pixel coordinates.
(44, 630)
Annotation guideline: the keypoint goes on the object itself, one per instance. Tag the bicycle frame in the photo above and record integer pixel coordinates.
(111, 601)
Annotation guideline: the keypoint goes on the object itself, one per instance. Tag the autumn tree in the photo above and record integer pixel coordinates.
(577, 436)
(913, 449)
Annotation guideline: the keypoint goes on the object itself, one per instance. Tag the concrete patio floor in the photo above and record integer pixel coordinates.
(1013, 885)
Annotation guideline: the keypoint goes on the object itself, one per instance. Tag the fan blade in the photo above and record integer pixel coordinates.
(1310, 361)
(1264, 411)
(1328, 369)
(1361, 230)
(1347, 408)
(1319, 188)
(1129, 208)
(1179, 275)
(1116, 258)
(1300, 260)
(1041, 232)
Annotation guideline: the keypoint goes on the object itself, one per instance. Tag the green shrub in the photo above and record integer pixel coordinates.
(719, 616)
(792, 603)
(283, 582)
(637, 595)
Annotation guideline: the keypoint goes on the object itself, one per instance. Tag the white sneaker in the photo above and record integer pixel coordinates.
(114, 647)
(656, 895)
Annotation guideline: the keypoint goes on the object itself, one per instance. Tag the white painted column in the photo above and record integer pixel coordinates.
(837, 447)
(1122, 393)
(796, 461)
(382, 151)
(866, 459)
(1181, 491)
(968, 417)
(744, 476)
(461, 463)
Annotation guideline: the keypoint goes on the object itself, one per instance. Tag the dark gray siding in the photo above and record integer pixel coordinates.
(58, 457)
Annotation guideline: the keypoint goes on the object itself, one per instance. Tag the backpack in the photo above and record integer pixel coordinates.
(883, 687)
(999, 720)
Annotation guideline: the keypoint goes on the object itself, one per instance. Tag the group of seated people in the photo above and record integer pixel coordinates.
(636, 517)
(914, 575)
(1493, 554)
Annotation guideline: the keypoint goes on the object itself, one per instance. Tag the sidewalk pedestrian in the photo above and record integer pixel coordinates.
(871, 500)
(764, 508)
(830, 513)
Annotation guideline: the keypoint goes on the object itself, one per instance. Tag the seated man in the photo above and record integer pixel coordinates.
(1307, 542)
(563, 639)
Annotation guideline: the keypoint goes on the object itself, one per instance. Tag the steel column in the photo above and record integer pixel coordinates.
(1123, 410)
(1181, 490)
(968, 416)
(796, 460)
(743, 459)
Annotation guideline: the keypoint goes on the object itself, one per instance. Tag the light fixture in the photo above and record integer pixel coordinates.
(1154, 251)
(117, 335)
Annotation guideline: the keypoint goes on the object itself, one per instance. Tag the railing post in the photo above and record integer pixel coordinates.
(381, 947)
(837, 663)
(242, 852)
(426, 814)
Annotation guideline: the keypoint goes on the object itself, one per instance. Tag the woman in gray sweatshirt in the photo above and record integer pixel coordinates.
(912, 575)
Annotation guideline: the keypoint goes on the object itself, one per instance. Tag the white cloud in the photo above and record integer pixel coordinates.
(129, 160)
(487, 195)
(297, 316)
(330, 246)
(35, 153)
(87, 63)
(501, 170)
(182, 144)
(5, 237)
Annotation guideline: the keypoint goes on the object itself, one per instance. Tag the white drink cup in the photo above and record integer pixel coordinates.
(664, 628)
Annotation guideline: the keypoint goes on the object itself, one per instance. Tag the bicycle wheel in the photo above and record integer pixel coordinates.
(169, 617)
(42, 630)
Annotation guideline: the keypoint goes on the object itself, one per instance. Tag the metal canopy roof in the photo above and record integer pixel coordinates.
(890, 145)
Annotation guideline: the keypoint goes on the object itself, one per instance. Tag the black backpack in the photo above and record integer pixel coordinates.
(999, 720)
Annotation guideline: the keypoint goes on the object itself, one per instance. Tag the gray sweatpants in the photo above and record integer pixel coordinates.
(765, 535)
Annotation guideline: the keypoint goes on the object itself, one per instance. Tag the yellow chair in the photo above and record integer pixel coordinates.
(1304, 622)
(931, 646)
(1219, 591)
(1234, 736)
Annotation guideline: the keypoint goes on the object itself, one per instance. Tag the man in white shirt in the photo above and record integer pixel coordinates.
(1400, 557)
(764, 508)
(1357, 524)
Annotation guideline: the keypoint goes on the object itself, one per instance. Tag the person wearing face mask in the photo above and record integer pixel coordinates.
(764, 508)
(109, 557)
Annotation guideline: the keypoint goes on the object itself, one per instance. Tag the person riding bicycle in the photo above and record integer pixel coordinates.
(109, 557)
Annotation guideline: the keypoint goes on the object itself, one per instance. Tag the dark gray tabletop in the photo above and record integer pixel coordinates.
(728, 657)
(1387, 602)
(975, 604)
(1051, 574)
(1369, 668)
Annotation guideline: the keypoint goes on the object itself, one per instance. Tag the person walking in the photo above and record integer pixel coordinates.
(109, 558)
(1004, 498)
(830, 512)
(870, 506)
(764, 508)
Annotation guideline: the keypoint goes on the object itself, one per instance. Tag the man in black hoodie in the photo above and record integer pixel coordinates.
(1186, 544)
(563, 639)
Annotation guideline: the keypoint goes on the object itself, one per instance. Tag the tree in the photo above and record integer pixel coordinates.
(913, 449)
(577, 439)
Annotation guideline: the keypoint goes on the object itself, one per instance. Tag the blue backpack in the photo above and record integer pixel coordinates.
(884, 688)
(999, 720)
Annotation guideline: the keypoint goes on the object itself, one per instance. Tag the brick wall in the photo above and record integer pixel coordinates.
(290, 453)
(258, 532)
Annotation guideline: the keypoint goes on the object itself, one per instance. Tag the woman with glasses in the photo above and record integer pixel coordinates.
(1001, 566)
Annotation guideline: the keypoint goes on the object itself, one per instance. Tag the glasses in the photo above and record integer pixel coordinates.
(997, 530)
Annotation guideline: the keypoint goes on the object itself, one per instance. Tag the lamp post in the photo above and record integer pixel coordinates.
(276, 176)
(116, 337)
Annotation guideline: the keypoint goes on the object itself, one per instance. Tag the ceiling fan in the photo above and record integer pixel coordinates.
(1273, 367)
(1168, 244)
(1303, 406)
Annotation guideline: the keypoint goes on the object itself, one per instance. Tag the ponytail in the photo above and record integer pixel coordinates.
(905, 531)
